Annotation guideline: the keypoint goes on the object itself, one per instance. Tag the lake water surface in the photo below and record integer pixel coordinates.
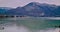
(29, 24)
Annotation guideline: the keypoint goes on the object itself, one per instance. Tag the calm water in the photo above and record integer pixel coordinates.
(28, 24)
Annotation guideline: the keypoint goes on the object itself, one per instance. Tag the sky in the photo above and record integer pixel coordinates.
(17, 3)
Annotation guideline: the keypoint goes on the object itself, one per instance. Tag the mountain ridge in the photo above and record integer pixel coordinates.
(36, 9)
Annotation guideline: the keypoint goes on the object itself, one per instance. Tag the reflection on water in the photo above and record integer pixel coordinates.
(32, 24)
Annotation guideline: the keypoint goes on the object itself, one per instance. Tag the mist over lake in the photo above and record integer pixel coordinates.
(29, 24)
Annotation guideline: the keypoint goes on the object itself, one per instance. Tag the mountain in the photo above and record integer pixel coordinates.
(42, 10)
(6, 8)
(17, 11)
(36, 9)
(3, 10)
(57, 11)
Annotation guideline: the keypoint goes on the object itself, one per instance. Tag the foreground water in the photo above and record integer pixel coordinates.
(29, 24)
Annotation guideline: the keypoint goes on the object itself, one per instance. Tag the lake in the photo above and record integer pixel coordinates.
(29, 24)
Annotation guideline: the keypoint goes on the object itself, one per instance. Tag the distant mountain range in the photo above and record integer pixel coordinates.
(34, 9)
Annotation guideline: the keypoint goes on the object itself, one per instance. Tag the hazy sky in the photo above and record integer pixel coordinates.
(16, 3)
